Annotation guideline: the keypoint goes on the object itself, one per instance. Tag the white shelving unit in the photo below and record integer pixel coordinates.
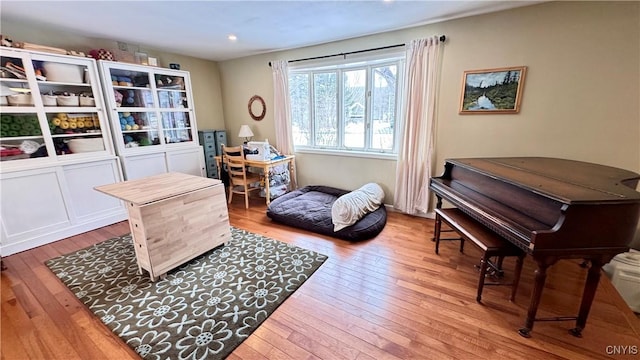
(152, 119)
(52, 156)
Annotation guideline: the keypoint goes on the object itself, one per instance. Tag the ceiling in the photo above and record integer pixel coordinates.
(200, 28)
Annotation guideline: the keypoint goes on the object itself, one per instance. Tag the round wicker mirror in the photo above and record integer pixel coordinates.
(257, 108)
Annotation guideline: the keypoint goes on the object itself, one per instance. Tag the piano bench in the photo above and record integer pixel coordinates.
(490, 243)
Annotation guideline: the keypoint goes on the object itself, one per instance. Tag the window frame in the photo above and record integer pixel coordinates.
(339, 66)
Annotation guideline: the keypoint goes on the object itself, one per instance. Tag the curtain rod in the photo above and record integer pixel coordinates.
(442, 38)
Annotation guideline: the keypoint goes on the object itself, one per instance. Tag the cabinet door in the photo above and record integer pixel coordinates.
(54, 110)
(85, 202)
(133, 106)
(149, 107)
(37, 211)
(71, 100)
(138, 166)
(22, 134)
(175, 107)
(186, 161)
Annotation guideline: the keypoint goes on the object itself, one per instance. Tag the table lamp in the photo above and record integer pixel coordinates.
(246, 133)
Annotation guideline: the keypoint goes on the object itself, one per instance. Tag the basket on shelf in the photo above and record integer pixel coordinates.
(20, 100)
(49, 100)
(68, 100)
(87, 101)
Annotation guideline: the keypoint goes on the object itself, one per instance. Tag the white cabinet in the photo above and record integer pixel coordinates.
(55, 146)
(54, 202)
(152, 119)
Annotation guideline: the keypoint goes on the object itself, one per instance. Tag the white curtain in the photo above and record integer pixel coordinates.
(281, 106)
(415, 154)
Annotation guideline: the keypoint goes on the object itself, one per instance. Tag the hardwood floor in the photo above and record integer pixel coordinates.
(387, 298)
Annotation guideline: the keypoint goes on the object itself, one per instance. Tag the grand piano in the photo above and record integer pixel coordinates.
(552, 209)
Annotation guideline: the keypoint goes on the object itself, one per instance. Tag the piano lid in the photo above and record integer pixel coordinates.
(567, 181)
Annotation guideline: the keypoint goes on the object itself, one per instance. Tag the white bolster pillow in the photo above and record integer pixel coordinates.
(352, 206)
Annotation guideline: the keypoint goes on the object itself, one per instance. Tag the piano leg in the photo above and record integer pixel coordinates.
(541, 277)
(593, 277)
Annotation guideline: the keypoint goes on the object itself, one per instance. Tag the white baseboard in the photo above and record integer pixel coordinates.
(429, 215)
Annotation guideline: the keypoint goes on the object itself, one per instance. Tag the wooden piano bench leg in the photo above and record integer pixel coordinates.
(516, 276)
(484, 263)
(437, 234)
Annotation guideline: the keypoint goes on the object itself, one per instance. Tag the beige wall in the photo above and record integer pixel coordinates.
(205, 78)
(581, 97)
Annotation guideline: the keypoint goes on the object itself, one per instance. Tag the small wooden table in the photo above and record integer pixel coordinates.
(265, 166)
(174, 218)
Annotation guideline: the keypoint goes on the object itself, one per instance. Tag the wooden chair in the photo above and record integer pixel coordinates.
(239, 178)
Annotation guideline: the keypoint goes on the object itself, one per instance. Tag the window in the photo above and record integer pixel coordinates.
(351, 107)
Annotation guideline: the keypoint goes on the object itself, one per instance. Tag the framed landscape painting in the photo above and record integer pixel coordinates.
(492, 91)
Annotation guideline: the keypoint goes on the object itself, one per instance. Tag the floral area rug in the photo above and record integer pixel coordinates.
(201, 310)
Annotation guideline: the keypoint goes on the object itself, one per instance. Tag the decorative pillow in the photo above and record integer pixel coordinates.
(352, 206)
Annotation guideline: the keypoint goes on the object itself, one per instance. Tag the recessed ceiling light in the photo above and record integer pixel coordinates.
(232, 37)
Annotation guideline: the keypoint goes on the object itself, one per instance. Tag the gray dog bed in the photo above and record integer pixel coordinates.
(309, 208)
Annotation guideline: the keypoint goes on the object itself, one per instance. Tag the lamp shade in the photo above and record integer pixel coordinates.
(245, 132)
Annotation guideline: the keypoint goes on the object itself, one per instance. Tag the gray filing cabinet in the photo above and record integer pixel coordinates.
(212, 141)
(221, 139)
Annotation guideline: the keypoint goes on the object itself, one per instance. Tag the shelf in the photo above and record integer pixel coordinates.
(132, 109)
(139, 131)
(71, 109)
(13, 80)
(57, 83)
(75, 135)
(21, 138)
(118, 87)
(18, 109)
(172, 90)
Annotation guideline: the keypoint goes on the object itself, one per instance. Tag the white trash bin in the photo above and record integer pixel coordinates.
(624, 272)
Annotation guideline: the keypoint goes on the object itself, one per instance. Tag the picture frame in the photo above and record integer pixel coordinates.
(492, 91)
(142, 58)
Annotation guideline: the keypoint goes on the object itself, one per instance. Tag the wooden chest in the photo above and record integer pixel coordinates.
(174, 218)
